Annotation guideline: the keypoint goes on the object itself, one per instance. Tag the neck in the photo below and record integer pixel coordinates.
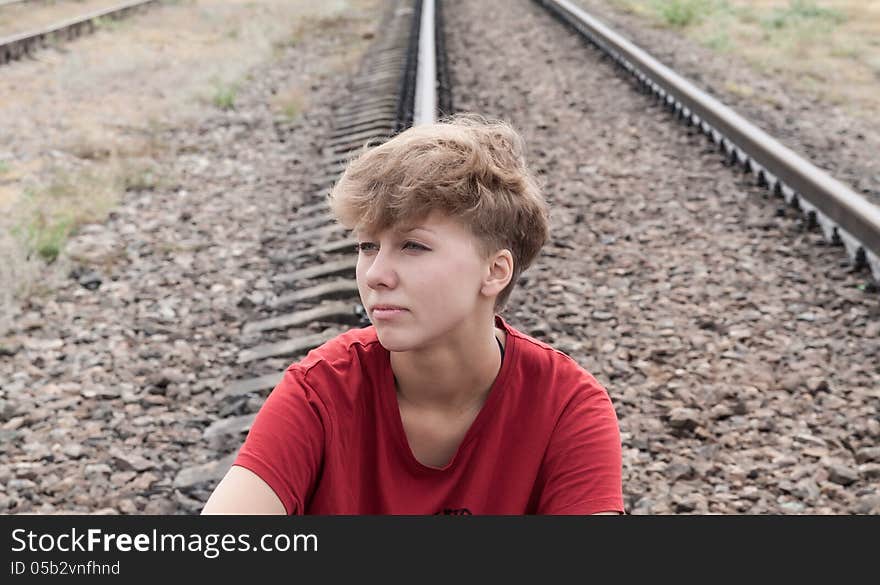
(450, 377)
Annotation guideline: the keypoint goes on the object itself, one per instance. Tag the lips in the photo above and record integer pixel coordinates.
(387, 308)
(386, 313)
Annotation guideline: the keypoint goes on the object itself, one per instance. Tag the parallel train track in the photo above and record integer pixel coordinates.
(844, 216)
(26, 43)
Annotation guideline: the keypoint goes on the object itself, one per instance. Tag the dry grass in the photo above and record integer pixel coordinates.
(72, 198)
(30, 16)
(828, 48)
(86, 120)
(290, 102)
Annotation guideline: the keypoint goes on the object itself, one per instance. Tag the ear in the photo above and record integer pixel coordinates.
(498, 273)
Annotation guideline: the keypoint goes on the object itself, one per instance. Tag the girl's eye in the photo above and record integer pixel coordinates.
(365, 246)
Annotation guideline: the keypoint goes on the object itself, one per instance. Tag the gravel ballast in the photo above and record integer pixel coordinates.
(740, 351)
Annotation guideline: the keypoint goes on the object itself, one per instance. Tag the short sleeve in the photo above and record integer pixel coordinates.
(582, 468)
(285, 444)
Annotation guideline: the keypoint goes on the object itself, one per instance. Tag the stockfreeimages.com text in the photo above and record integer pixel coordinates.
(210, 545)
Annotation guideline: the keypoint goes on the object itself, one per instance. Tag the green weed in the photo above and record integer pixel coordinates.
(53, 212)
(45, 234)
(683, 13)
(107, 23)
(290, 102)
(719, 42)
(800, 12)
(224, 96)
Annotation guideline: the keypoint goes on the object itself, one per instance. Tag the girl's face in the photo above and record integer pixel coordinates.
(432, 270)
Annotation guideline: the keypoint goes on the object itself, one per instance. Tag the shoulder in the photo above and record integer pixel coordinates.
(340, 367)
(562, 374)
(551, 385)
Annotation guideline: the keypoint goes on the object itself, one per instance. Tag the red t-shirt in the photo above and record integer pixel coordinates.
(329, 438)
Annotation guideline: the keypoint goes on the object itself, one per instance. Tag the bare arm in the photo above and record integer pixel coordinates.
(241, 491)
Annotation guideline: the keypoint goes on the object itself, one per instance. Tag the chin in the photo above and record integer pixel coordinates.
(393, 341)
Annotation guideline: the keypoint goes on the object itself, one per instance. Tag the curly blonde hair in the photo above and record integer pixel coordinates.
(465, 166)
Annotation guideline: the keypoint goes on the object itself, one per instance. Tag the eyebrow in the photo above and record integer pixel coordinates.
(405, 231)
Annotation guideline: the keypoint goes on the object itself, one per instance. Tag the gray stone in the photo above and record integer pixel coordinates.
(207, 473)
(870, 471)
(18, 485)
(684, 418)
(792, 507)
(229, 426)
(73, 450)
(868, 454)
(127, 507)
(842, 475)
(97, 470)
(130, 461)
(868, 504)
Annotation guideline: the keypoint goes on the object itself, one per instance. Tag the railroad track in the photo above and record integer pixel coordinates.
(26, 43)
(844, 216)
(396, 88)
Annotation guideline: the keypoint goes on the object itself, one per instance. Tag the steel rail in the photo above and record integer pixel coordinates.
(425, 106)
(843, 214)
(18, 45)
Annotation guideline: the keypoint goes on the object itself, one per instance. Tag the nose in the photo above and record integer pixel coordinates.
(377, 270)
